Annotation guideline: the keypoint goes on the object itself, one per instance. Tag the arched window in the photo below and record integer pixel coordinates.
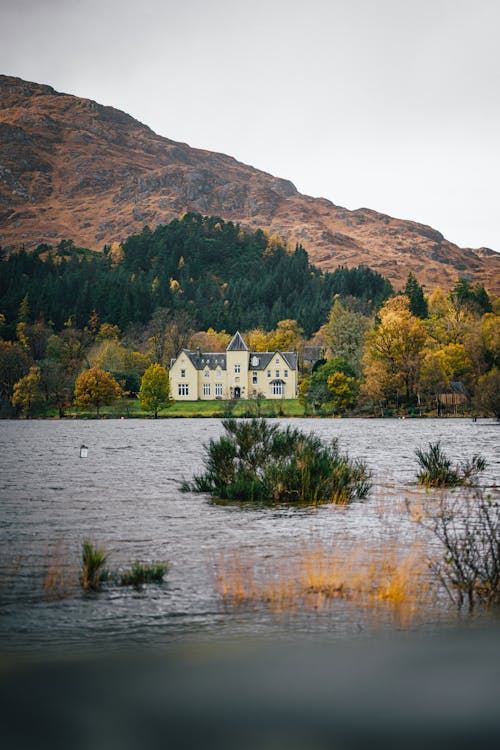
(277, 387)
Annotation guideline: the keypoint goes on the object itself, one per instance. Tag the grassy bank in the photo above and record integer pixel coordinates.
(131, 408)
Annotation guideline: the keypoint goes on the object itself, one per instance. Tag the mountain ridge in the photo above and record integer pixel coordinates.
(71, 168)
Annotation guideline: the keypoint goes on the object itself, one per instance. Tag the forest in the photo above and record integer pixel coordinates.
(72, 320)
(223, 277)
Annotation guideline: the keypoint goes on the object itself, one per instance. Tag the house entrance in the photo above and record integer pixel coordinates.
(237, 392)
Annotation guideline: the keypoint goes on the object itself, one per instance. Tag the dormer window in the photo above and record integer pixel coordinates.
(277, 360)
(183, 373)
(206, 373)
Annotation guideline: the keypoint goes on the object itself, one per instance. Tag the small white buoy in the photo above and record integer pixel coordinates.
(84, 451)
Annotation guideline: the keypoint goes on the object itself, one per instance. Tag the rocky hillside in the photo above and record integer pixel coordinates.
(74, 169)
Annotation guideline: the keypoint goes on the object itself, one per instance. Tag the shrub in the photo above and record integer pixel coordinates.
(437, 469)
(469, 530)
(93, 571)
(263, 462)
(141, 574)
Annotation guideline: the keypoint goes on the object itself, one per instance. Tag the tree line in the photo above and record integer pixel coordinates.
(66, 311)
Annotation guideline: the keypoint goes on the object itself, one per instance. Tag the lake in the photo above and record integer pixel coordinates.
(125, 497)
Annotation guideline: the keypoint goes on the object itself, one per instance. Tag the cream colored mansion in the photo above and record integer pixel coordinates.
(237, 373)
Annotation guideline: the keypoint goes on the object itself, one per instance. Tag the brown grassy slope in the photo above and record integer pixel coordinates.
(74, 169)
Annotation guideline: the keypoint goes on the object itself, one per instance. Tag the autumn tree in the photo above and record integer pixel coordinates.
(27, 394)
(55, 384)
(257, 340)
(395, 347)
(441, 366)
(345, 334)
(344, 390)
(330, 384)
(487, 396)
(169, 332)
(96, 387)
(211, 340)
(287, 336)
(155, 390)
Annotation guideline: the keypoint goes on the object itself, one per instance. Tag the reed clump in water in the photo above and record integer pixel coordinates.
(256, 461)
(141, 574)
(437, 470)
(93, 571)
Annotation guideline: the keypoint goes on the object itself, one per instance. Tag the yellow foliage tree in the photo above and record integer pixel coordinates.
(344, 391)
(287, 336)
(394, 351)
(257, 340)
(155, 390)
(27, 393)
(96, 387)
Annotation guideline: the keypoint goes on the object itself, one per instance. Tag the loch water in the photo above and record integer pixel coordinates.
(125, 496)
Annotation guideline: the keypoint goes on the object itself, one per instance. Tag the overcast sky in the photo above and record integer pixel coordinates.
(389, 104)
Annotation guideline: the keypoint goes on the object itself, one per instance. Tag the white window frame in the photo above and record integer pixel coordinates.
(183, 389)
(237, 369)
(278, 389)
(218, 389)
(206, 374)
(206, 389)
(183, 373)
(277, 373)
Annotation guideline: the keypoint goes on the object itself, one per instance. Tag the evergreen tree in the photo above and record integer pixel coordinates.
(415, 293)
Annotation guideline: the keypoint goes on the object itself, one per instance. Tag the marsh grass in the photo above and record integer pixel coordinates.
(141, 574)
(437, 470)
(93, 571)
(59, 578)
(388, 582)
(257, 461)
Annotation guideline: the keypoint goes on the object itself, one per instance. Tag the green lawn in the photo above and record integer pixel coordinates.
(132, 408)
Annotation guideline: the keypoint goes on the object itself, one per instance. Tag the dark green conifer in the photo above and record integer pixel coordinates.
(415, 293)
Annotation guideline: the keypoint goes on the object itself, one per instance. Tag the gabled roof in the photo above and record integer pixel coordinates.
(200, 360)
(237, 344)
(256, 360)
(262, 360)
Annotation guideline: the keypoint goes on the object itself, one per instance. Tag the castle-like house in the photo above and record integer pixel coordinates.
(237, 373)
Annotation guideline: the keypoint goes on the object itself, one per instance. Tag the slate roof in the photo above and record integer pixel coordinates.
(265, 359)
(237, 344)
(203, 359)
(256, 361)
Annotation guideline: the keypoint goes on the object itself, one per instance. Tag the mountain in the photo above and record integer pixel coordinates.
(73, 169)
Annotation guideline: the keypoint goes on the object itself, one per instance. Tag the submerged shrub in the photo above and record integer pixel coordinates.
(469, 530)
(93, 571)
(437, 470)
(259, 461)
(141, 574)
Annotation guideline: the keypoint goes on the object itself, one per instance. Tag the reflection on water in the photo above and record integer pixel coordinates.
(125, 497)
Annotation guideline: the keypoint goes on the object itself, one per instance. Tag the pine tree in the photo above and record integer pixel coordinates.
(415, 293)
